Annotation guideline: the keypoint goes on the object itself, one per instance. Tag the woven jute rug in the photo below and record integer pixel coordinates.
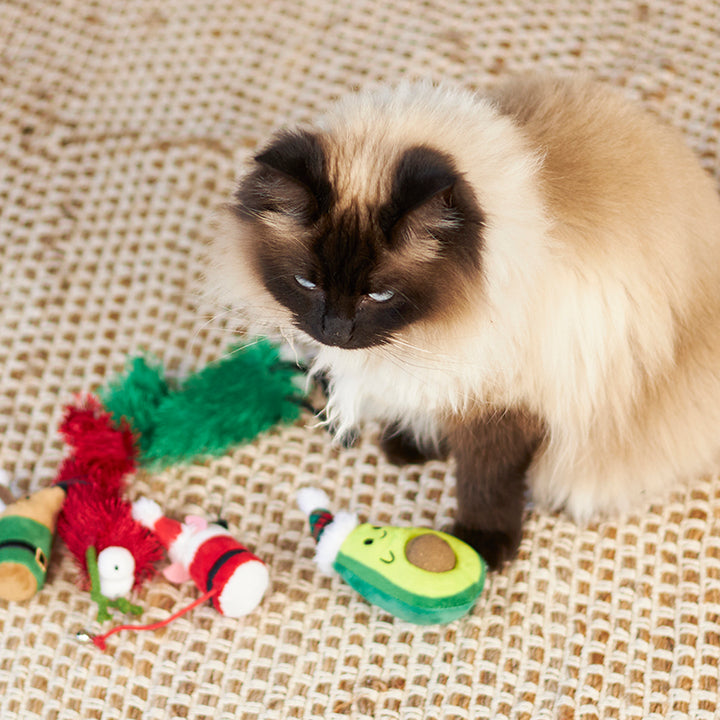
(122, 125)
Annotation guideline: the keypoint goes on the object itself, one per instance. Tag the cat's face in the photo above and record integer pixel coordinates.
(354, 243)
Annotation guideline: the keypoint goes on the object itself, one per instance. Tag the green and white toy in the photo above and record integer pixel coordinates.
(419, 575)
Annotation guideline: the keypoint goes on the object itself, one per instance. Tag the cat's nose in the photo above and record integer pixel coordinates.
(337, 330)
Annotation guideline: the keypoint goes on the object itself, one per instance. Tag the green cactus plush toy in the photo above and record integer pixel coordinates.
(417, 574)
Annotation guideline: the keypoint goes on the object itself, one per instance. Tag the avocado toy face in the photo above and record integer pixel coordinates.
(378, 547)
(419, 575)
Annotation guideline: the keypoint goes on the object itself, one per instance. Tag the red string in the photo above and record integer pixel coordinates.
(99, 640)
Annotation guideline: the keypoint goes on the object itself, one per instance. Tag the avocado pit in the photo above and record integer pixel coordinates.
(430, 552)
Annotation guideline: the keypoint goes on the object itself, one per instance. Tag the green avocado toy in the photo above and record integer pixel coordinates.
(417, 574)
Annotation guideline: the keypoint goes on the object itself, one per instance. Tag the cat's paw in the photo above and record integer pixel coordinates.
(494, 546)
(401, 447)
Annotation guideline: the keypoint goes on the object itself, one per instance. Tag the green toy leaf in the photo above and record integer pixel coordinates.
(137, 397)
(228, 402)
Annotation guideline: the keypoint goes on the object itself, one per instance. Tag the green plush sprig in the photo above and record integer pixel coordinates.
(103, 603)
(227, 403)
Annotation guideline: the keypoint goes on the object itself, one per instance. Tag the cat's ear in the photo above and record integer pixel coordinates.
(291, 176)
(432, 206)
(427, 191)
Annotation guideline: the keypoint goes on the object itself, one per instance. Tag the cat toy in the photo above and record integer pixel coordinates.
(143, 419)
(224, 570)
(152, 422)
(113, 552)
(208, 554)
(419, 575)
(27, 528)
(226, 403)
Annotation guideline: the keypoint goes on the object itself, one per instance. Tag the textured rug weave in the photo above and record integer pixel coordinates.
(122, 124)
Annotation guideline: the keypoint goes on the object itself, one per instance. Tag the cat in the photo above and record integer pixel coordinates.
(528, 278)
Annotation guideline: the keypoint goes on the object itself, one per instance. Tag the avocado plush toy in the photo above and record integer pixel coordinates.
(417, 574)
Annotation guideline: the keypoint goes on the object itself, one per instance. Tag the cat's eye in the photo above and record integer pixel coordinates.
(383, 296)
(304, 282)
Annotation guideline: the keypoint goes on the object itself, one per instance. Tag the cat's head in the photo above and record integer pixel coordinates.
(351, 236)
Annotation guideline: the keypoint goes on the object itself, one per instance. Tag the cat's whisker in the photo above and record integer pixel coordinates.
(240, 207)
(290, 342)
(221, 318)
(281, 276)
(398, 339)
(403, 364)
(407, 299)
(433, 358)
(211, 317)
(241, 348)
(207, 324)
(410, 346)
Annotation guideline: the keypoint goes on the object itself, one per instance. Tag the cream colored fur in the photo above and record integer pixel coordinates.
(599, 303)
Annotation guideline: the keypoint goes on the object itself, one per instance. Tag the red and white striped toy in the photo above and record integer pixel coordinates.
(211, 556)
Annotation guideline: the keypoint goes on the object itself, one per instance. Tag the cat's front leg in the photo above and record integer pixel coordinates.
(402, 447)
(493, 452)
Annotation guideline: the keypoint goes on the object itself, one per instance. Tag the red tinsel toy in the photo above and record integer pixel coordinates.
(113, 551)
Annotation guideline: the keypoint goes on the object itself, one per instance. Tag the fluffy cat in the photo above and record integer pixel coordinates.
(530, 279)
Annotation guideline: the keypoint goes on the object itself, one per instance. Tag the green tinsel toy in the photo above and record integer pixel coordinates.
(226, 403)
